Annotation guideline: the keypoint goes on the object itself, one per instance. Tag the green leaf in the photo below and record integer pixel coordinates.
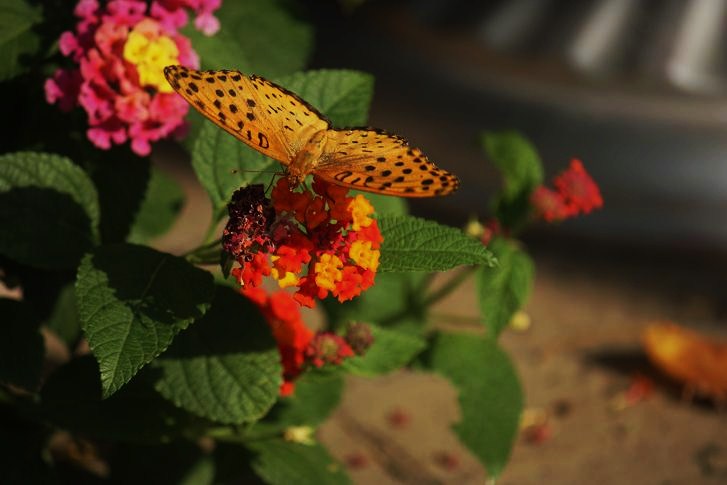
(223, 163)
(316, 396)
(414, 244)
(517, 160)
(21, 346)
(504, 290)
(132, 301)
(18, 41)
(395, 300)
(121, 179)
(490, 397)
(266, 37)
(64, 319)
(51, 206)
(522, 171)
(71, 399)
(163, 201)
(226, 367)
(385, 204)
(390, 351)
(341, 95)
(281, 462)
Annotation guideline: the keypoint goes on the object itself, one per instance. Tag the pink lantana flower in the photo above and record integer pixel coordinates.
(120, 51)
(172, 13)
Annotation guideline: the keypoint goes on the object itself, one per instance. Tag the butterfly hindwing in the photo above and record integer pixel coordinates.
(261, 114)
(374, 161)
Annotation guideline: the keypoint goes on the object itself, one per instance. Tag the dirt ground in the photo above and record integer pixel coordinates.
(576, 361)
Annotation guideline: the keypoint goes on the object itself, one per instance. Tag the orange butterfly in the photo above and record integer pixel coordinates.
(281, 125)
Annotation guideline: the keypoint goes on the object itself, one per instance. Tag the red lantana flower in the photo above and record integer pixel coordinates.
(575, 193)
(292, 336)
(549, 204)
(578, 189)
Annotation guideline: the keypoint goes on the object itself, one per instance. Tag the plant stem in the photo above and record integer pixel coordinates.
(208, 253)
(214, 223)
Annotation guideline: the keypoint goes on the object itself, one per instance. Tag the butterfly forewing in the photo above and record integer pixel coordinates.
(374, 161)
(256, 111)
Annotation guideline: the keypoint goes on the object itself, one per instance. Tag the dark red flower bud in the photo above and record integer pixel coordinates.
(248, 230)
(359, 337)
(327, 348)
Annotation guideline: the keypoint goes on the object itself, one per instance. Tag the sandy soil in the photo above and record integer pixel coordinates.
(576, 362)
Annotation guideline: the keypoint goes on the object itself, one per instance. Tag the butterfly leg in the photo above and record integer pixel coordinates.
(274, 179)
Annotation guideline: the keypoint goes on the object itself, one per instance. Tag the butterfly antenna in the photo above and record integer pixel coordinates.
(235, 171)
(272, 182)
(274, 178)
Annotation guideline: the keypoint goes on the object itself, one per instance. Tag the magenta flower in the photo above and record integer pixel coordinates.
(120, 51)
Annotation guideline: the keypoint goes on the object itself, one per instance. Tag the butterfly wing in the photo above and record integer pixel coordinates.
(374, 161)
(265, 116)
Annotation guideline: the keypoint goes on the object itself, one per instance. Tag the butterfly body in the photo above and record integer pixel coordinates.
(307, 158)
(281, 125)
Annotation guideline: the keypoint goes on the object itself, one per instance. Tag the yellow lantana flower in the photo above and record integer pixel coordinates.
(328, 271)
(150, 51)
(361, 208)
(364, 256)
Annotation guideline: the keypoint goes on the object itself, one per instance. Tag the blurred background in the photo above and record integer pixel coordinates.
(637, 89)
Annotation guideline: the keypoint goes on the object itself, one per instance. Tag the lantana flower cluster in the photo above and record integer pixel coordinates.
(320, 242)
(574, 193)
(119, 50)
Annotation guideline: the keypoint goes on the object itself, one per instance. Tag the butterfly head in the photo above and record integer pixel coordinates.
(294, 179)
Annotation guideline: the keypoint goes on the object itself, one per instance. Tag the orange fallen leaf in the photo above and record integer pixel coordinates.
(694, 359)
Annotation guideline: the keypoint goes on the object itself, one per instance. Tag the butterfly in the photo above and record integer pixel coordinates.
(278, 123)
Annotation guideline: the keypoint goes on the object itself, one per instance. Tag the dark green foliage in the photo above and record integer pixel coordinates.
(48, 208)
(132, 300)
(226, 367)
(21, 346)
